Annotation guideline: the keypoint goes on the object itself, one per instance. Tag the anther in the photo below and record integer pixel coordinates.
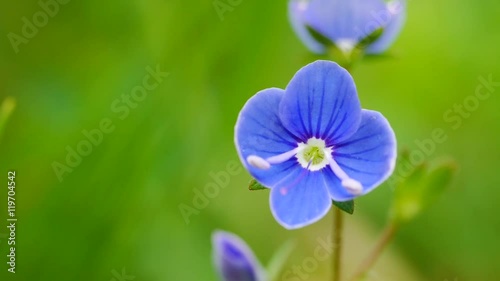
(352, 186)
(265, 164)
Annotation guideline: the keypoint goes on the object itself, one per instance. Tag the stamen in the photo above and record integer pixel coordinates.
(265, 164)
(258, 162)
(282, 157)
(353, 186)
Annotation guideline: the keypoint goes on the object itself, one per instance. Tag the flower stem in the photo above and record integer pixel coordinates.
(367, 264)
(338, 225)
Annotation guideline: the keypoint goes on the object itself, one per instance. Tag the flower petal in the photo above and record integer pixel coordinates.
(296, 9)
(259, 132)
(396, 10)
(369, 156)
(300, 199)
(321, 101)
(234, 260)
(344, 19)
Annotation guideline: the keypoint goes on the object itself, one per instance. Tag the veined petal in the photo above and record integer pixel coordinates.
(234, 260)
(259, 132)
(300, 199)
(321, 101)
(296, 10)
(369, 156)
(344, 19)
(396, 11)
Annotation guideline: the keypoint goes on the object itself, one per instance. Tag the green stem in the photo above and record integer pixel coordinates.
(338, 225)
(368, 263)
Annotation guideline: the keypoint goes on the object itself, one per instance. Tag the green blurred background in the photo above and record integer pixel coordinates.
(118, 209)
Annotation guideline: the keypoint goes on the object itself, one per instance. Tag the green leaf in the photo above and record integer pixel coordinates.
(420, 188)
(255, 185)
(278, 260)
(372, 37)
(438, 179)
(348, 59)
(347, 206)
(319, 37)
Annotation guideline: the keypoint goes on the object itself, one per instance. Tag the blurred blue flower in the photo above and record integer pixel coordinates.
(312, 143)
(347, 22)
(234, 260)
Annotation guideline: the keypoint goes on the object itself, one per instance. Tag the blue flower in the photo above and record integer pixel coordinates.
(234, 260)
(312, 143)
(347, 22)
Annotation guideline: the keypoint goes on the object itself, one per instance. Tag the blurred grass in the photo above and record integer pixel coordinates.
(119, 207)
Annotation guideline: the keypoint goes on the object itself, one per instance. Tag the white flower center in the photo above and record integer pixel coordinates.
(314, 155)
(346, 45)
